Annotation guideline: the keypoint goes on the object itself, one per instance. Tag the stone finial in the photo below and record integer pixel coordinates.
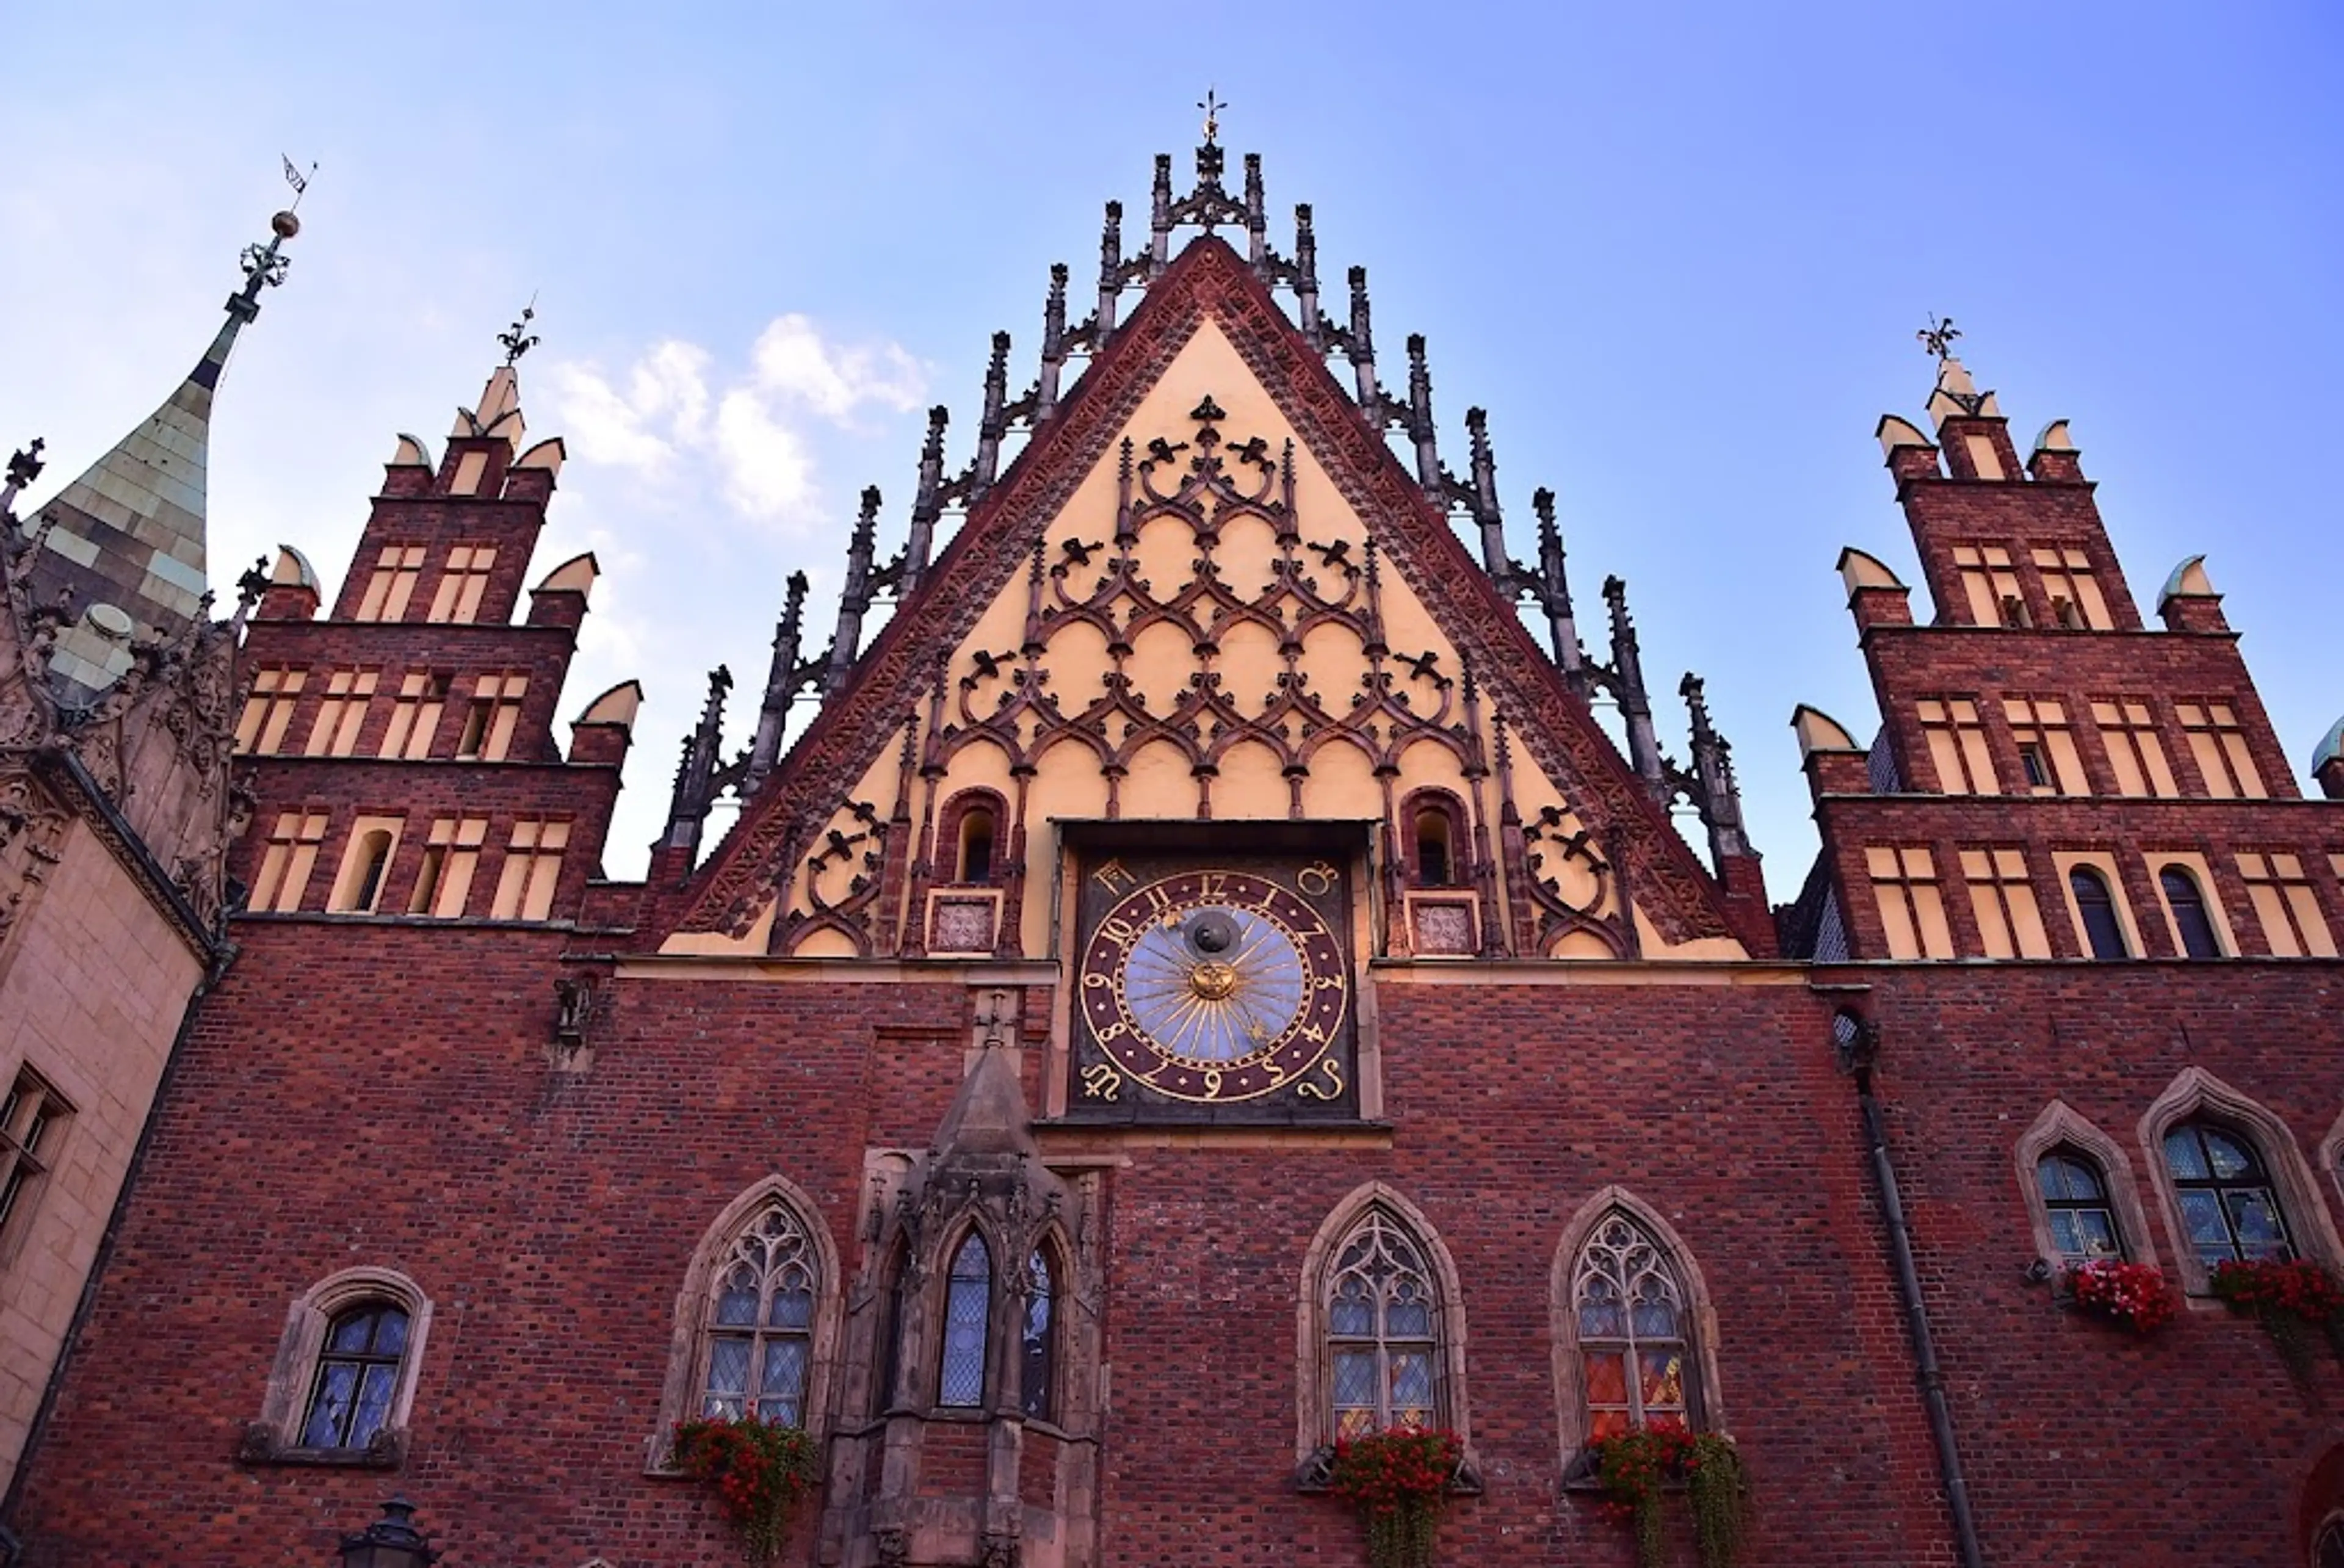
(1306, 276)
(1257, 214)
(1420, 428)
(1486, 512)
(1362, 348)
(1554, 591)
(1160, 216)
(991, 422)
(781, 682)
(928, 504)
(1110, 272)
(853, 596)
(1628, 672)
(1716, 795)
(1054, 343)
(695, 777)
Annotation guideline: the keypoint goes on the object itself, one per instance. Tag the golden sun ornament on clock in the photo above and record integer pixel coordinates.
(1215, 987)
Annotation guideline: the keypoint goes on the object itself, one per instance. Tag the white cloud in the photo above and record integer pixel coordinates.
(758, 445)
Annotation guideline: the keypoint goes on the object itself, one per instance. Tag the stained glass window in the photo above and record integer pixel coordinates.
(2227, 1201)
(1382, 1331)
(760, 1323)
(1041, 1334)
(358, 1372)
(968, 1307)
(1634, 1348)
(2075, 1201)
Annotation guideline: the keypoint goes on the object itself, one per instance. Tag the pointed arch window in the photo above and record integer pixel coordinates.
(968, 1312)
(760, 1323)
(1383, 1323)
(2076, 1202)
(1039, 1338)
(1634, 1331)
(2227, 1200)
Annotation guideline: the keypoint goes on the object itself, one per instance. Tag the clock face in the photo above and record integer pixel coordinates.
(1215, 987)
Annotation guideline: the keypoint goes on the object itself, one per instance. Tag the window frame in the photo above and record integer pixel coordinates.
(2061, 1129)
(1314, 1434)
(680, 1392)
(2194, 875)
(276, 1437)
(2196, 1092)
(1705, 1397)
(760, 1333)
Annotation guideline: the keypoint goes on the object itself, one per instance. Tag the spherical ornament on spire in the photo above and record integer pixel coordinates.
(284, 225)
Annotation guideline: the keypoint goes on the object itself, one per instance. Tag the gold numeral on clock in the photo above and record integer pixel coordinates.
(1212, 883)
(1117, 930)
(1212, 1080)
(1309, 1090)
(1101, 1081)
(1113, 876)
(1316, 877)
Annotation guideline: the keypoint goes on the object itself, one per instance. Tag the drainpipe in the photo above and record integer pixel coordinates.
(1859, 1045)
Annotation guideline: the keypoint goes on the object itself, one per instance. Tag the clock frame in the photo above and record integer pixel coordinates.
(1213, 986)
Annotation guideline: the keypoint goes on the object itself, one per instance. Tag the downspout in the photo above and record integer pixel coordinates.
(1859, 1043)
(221, 956)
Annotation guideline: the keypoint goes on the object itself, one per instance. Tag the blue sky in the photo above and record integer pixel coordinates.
(1679, 252)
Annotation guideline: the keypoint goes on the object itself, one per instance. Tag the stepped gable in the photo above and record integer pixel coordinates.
(1209, 279)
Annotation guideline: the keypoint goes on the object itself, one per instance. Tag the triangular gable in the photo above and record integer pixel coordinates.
(866, 722)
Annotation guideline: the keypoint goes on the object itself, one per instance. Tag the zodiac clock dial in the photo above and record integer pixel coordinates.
(1214, 988)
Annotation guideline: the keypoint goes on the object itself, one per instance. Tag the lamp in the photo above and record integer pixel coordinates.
(390, 1541)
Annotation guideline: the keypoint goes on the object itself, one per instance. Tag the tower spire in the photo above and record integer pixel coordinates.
(127, 539)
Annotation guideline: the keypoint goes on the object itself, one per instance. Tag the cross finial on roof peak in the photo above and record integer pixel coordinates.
(1212, 103)
(1939, 337)
(517, 338)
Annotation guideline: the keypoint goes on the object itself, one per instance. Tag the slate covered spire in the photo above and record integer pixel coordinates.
(127, 537)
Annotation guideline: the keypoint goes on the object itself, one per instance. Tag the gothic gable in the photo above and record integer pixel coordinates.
(1206, 591)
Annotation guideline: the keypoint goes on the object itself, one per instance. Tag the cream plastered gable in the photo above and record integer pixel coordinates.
(1205, 629)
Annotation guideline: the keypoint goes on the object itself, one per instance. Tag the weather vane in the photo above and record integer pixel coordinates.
(1212, 103)
(297, 181)
(518, 338)
(1939, 337)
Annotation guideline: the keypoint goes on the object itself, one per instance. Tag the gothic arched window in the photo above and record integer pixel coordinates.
(760, 1324)
(1039, 1338)
(2076, 1202)
(1634, 1332)
(2226, 1199)
(968, 1313)
(1383, 1331)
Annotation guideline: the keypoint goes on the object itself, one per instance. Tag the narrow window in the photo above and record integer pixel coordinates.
(490, 718)
(760, 1327)
(1041, 1336)
(2218, 742)
(2010, 924)
(2076, 1201)
(2227, 1200)
(2076, 597)
(1633, 1344)
(1911, 906)
(532, 871)
(414, 716)
(976, 847)
(1381, 1326)
(340, 714)
(968, 1312)
(31, 1122)
(286, 863)
(1990, 585)
(890, 1334)
(369, 858)
(463, 583)
(452, 852)
(2128, 730)
(2189, 907)
(358, 1372)
(268, 709)
(1432, 847)
(2097, 911)
(1956, 738)
(2047, 759)
(393, 583)
(2286, 906)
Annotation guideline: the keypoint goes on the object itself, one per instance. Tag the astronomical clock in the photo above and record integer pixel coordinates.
(1214, 988)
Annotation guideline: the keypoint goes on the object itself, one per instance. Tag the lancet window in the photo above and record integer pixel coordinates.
(1634, 1331)
(759, 1329)
(1383, 1331)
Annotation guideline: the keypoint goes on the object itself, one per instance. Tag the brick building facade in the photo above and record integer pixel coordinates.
(1202, 984)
